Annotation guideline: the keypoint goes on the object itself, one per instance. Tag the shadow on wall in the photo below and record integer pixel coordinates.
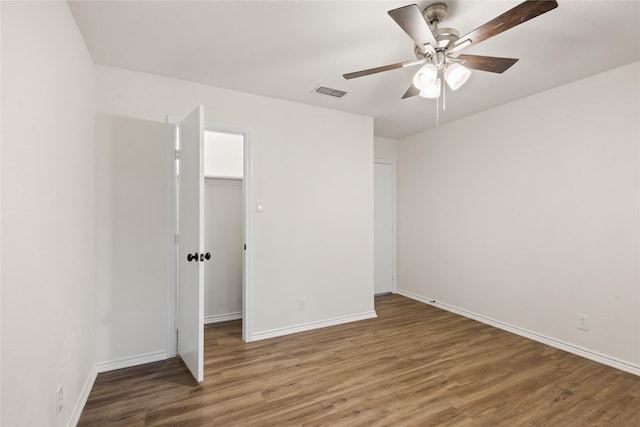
(132, 237)
(224, 239)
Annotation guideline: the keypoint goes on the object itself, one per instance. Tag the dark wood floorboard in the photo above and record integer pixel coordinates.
(414, 365)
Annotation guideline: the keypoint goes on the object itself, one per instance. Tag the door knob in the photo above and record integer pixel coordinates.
(193, 257)
(206, 256)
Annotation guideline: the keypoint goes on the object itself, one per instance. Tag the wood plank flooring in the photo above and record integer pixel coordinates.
(415, 365)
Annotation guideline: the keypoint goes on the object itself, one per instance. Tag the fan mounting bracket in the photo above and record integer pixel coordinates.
(435, 13)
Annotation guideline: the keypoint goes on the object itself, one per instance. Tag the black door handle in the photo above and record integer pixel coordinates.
(193, 257)
(206, 256)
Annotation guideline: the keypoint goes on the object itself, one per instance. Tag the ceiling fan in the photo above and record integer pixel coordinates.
(437, 48)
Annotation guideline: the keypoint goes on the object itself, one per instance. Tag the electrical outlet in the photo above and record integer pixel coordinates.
(59, 399)
(302, 303)
(583, 322)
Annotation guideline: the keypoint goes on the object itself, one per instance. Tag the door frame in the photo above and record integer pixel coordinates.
(394, 219)
(247, 186)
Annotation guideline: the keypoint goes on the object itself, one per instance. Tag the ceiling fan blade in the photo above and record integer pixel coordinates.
(389, 67)
(491, 64)
(412, 91)
(412, 22)
(516, 16)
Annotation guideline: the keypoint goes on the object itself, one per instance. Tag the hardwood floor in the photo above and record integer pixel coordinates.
(415, 365)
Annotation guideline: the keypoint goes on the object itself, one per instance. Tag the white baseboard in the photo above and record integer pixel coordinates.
(312, 325)
(128, 362)
(579, 351)
(82, 399)
(216, 318)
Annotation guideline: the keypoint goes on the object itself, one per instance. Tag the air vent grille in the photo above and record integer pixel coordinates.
(331, 92)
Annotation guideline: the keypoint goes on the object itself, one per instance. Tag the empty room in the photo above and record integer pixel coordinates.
(430, 214)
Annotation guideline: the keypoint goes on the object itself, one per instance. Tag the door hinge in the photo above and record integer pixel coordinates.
(245, 246)
(176, 154)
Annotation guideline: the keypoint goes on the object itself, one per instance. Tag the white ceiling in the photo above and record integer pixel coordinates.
(284, 49)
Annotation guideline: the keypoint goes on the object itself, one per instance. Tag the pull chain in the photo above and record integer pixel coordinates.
(444, 96)
(437, 111)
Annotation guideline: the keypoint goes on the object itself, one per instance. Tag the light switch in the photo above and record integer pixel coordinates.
(259, 206)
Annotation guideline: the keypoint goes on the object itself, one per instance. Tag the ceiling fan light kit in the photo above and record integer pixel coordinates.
(456, 75)
(427, 75)
(437, 48)
(433, 90)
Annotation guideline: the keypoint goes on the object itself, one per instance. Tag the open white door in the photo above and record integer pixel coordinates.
(383, 235)
(190, 306)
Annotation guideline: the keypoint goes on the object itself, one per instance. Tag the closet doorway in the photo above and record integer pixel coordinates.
(227, 291)
(224, 160)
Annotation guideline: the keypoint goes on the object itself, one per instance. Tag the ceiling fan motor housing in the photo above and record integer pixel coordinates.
(433, 15)
(445, 38)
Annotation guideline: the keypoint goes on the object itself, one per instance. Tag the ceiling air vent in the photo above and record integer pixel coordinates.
(331, 92)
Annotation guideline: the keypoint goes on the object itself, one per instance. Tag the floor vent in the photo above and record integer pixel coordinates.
(331, 92)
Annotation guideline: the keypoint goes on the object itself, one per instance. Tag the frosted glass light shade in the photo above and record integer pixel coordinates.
(425, 76)
(456, 75)
(432, 90)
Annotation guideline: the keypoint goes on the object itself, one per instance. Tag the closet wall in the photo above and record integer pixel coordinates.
(223, 238)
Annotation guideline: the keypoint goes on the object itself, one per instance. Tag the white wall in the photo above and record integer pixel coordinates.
(0, 214)
(223, 154)
(132, 220)
(313, 169)
(224, 239)
(386, 150)
(529, 214)
(47, 214)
